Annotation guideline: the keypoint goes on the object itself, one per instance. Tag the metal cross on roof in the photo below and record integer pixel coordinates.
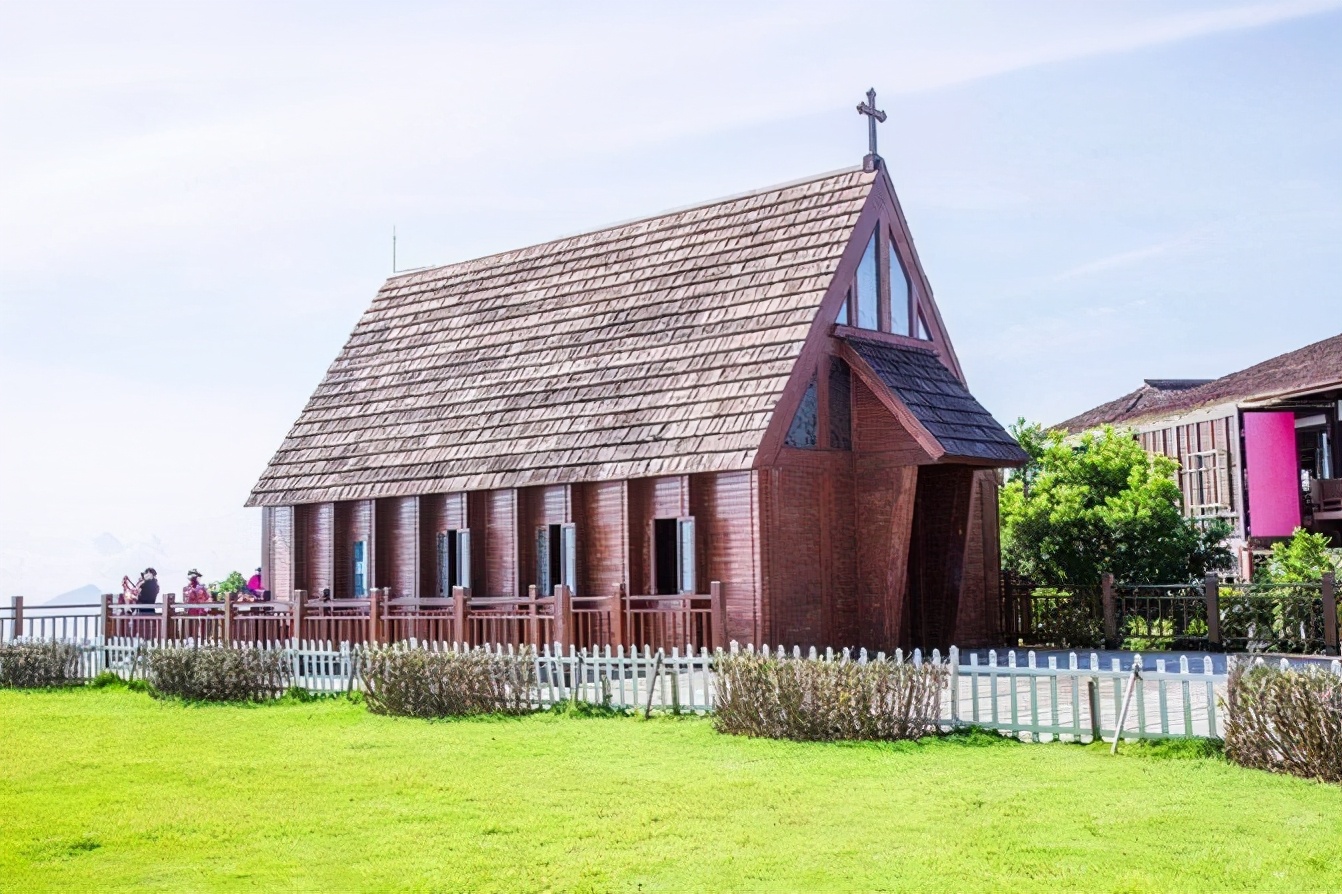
(874, 115)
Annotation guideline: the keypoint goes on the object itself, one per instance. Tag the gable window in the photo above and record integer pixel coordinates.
(673, 556)
(840, 405)
(900, 296)
(802, 432)
(922, 327)
(556, 558)
(842, 318)
(454, 561)
(868, 288)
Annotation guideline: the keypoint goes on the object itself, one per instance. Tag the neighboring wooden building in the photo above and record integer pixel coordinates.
(758, 391)
(1257, 447)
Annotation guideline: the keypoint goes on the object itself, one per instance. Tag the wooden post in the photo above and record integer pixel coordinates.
(106, 610)
(1093, 690)
(296, 609)
(228, 619)
(374, 604)
(563, 629)
(1330, 624)
(617, 615)
(165, 620)
(17, 603)
(459, 609)
(1211, 586)
(717, 615)
(1110, 611)
(533, 633)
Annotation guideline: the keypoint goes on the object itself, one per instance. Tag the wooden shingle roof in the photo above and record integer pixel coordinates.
(650, 348)
(940, 402)
(1314, 367)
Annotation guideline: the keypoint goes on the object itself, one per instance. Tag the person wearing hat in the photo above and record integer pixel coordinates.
(254, 584)
(195, 592)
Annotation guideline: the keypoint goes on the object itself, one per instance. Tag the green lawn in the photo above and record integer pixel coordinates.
(110, 789)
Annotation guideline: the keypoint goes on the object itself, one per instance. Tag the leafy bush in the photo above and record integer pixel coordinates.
(234, 583)
(822, 701)
(28, 665)
(1305, 557)
(1155, 635)
(1286, 721)
(415, 682)
(217, 673)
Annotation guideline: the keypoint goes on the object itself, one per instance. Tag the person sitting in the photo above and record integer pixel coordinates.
(195, 592)
(144, 592)
(254, 584)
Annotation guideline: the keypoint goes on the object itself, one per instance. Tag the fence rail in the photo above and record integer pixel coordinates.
(1080, 698)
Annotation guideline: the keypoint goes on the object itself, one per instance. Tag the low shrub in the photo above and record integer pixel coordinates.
(1286, 721)
(216, 673)
(29, 665)
(415, 682)
(822, 701)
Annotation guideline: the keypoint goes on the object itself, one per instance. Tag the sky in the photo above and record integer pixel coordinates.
(197, 202)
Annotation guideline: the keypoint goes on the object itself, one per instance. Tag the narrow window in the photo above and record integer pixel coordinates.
(568, 539)
(842, 318)
(899, 292)
(673, 556)
(454, 561)
(922, 327)
(556, 558)
(868, 288)
(685, 554)
(802, 432)
(360, 569)
(840, 405)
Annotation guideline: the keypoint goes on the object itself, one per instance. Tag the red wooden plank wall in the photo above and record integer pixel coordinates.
(353, 522)
(603, 538)
(639, 516)
(501, 542)
(793, 490)
(723, 506)
(875, 430)
(397, 542)
(937, 554)
(884, 503)
(977, 623)
(318, 533)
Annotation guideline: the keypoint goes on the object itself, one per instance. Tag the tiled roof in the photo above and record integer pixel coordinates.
(654, 347)
(940, 402)
(1311, 368)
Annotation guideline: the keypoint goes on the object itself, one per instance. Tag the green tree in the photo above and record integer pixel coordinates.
(1101, 504)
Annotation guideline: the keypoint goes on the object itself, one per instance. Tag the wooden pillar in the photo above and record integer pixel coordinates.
(165, 619)
(1110, 611)
(460, 606)
(1330, 621)
(296, 608)
(1211, 586)
(563, 629)
(717, 615)
(616, 615)
(17, 603)
(228, 618)
(106, 610)
(374, 610)
(533, 632)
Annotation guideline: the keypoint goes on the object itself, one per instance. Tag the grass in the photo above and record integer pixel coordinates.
(110, 789)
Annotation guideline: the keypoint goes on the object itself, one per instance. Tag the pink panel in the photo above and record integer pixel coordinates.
(1270, 463)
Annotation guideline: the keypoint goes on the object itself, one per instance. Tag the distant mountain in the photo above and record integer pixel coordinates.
(89, 594)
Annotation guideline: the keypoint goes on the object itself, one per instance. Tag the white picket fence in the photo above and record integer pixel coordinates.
(1079, 700)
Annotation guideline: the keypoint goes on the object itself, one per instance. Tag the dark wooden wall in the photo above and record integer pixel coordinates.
(725, 510)
(500, 524)
(354, 521)
(397, 546)
(603, 536)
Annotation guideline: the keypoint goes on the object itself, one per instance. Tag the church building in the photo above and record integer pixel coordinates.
(753, 402)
